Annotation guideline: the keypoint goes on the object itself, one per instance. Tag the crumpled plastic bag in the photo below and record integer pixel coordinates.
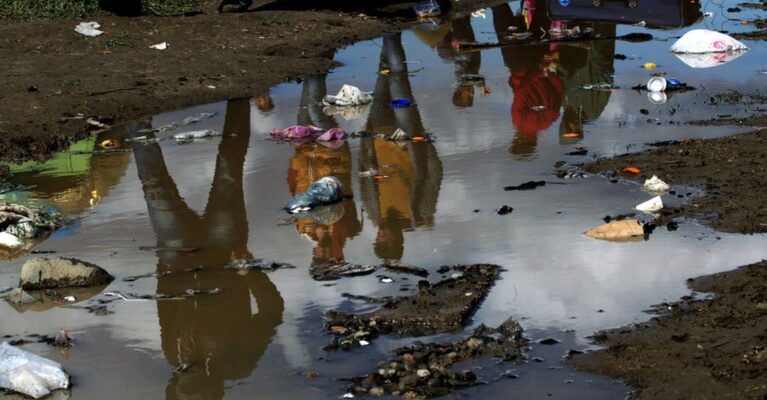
(295, 132)
(29, 374)
(332, 134)
(327, 190)
(348, 96)
(699, 41)
(90, 29)
(300, 134)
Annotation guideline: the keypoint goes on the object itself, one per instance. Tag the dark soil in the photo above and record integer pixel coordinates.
(698, 349)
(52, 74)
(731, 171)
(442, 307)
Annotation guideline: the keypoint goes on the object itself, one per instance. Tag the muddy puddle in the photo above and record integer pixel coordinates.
(262, 334)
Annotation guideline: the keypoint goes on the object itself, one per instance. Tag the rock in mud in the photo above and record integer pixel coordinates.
(18, 296)
(442, 307)
(50, 273)
(424, 370)
(531, 185)
(258, 264)
(337, 270)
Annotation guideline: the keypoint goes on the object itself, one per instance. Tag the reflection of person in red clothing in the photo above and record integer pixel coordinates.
(537, 98)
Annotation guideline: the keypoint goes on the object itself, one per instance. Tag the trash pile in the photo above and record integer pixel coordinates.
(19, 224)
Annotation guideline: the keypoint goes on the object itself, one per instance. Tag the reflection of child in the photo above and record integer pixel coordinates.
(312, 162)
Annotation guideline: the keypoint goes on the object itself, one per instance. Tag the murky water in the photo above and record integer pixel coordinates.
(257, 337)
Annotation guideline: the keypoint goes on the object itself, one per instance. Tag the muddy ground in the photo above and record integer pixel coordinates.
(731, 171)
(52, 74)
(700, 348)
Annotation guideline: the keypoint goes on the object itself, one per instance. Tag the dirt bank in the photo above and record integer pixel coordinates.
(698, 349)
(732, 172)
(52, 74)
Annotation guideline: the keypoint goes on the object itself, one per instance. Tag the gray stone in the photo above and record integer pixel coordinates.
(51, 273)
(20, 297)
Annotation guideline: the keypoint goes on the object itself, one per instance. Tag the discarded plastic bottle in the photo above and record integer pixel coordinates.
(659, 84)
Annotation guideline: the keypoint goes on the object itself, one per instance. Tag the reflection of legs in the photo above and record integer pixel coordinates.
(225, 211)
(399, 84)
(310, 111)
(172, 220)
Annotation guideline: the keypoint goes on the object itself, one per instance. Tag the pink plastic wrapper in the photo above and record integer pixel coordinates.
(295, 132)
(332, 134)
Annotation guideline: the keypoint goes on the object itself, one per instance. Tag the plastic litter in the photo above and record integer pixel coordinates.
(27, 223)
(660, 84)
(160, 46)
(427, 9)
(90, 29)
(699, 41)
(650, 65)
(348, 96)
(29, 374)
(651, 205)
(296, 132)
(327, 190)
(332, 134)
(192, 135)
(11, 241)
(400, 103)
(481, 13)
(656, 185)
(399, 134)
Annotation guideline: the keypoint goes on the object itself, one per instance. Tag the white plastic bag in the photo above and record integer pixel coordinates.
(29, 374)
(89, 29)
(10, 241)
(348, 96)
(656, 185)
(698, 41)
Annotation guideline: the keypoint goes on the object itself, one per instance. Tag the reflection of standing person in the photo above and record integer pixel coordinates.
(545, 77)
(313, 161)
(467, 64)
(408, 197)
(219, 335)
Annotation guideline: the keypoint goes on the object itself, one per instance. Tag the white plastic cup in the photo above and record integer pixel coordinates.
(657, 84)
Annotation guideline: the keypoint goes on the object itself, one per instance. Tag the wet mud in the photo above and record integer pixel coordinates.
(730, 171)
(424, 370)
(57, 79)
(698, 348)
(442, 307)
